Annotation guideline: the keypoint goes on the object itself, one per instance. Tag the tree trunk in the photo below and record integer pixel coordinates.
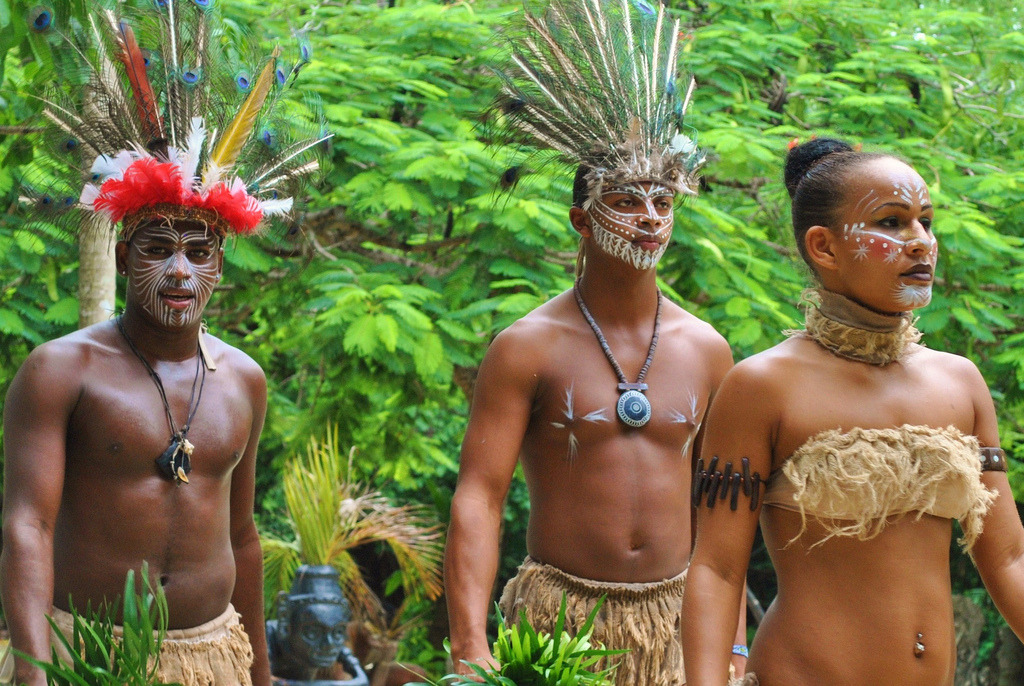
(969, 622)
(97, 285)
(1009, 658)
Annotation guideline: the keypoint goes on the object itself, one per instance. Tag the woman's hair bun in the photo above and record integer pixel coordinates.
(803, 157)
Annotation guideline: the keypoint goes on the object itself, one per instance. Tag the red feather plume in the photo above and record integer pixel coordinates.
(239, 209)
(146, 182)
(145, 98)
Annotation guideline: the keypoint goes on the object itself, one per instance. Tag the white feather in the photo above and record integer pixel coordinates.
(212, 176)
(193, 149)
(89, 194)
(276, 207)
(104, 167)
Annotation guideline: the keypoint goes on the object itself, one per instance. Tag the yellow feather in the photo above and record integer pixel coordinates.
(237, 133)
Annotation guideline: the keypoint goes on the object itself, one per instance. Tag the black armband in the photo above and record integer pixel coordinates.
(993, 460)
(711, 485)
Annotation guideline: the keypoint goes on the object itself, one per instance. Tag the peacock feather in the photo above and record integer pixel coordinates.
(166, 79)
(597, 83)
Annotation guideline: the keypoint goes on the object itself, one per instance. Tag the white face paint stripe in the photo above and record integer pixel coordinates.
(156, 274)
(860, 235)
(863, 203)
(618, 222)
(620, 248)
(656, 190)
(907, 193)
(637, 190)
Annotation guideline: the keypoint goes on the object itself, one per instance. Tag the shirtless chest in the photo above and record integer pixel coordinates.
(118, 510)
(575, 416)
(119, 425)
(607, 500)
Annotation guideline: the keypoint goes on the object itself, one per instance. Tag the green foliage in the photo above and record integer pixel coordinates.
(376, 313)
(102, 659)
(527, 657)
(394, 309)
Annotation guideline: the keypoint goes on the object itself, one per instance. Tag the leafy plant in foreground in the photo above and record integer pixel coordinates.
(535, 658)
(99, 657)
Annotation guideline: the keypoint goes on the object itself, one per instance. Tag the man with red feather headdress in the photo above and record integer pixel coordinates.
(133, 442)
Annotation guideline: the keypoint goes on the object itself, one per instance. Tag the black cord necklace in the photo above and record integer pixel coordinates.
(176, 461)
(633, 408)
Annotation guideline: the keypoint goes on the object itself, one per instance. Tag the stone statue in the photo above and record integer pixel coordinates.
(307, 640)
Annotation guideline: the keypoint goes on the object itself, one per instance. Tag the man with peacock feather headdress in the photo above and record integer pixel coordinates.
(133, 441)
(599, 393)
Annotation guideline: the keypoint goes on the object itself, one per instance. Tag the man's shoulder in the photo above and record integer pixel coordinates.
(233, 359)
(527, 347)
(54, 371)
(541, 327)
(690, 328)
(73, 352)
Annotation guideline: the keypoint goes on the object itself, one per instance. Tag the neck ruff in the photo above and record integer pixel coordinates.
(852, 331)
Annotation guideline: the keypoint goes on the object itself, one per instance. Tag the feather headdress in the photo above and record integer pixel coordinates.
(155, 115)
(596, 81)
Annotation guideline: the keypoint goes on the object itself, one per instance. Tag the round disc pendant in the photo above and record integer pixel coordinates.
(634, 408)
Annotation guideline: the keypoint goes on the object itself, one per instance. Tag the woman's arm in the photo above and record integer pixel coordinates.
(999, 551)
(736, 458)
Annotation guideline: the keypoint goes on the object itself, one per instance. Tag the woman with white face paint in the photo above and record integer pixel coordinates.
(863, 445)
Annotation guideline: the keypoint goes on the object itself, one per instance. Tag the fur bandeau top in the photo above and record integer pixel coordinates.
(854, 482)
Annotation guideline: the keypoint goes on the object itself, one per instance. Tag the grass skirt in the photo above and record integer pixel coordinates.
(216, 653)
(643, 618)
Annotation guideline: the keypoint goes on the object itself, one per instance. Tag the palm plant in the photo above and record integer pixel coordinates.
(331, 514)
(98, 656)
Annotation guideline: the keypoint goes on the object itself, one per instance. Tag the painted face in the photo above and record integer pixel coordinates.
(887, 252)
(633, 222)
(172, 270)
